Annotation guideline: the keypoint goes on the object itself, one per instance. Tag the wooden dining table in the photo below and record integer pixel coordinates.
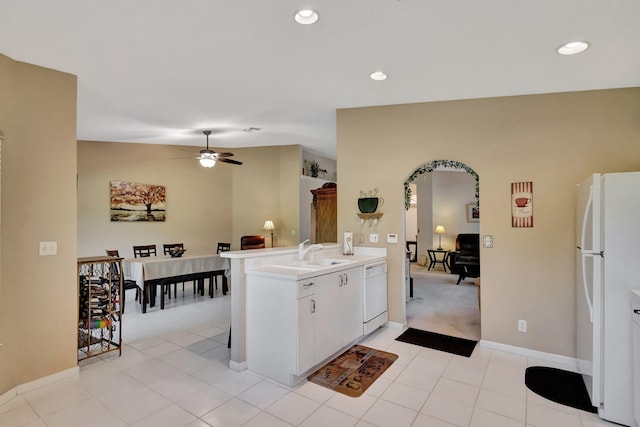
(148, 272)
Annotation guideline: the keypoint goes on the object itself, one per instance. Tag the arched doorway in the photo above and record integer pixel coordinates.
(442, 195)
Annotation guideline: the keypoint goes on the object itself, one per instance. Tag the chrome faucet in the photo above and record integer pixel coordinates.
(302, 251)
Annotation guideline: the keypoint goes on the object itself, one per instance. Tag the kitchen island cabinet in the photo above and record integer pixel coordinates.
(293, 326)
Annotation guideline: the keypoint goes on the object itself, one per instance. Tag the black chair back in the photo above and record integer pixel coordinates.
(223, 247)
(144, 251)
(168, 246)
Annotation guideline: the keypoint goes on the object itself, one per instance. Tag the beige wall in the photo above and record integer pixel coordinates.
(38, 306)
(198, 199)
(554, 140)
(204, 206)
(267, 187)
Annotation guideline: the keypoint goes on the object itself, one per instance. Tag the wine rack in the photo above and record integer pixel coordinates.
(99, 314)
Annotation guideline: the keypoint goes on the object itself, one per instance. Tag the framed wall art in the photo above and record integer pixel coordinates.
(522, 204)
(473, 212)
(131, 201)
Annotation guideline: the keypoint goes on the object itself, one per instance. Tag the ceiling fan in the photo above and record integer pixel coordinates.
(208, 158)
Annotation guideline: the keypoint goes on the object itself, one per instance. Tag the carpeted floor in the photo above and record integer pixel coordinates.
(441, 306)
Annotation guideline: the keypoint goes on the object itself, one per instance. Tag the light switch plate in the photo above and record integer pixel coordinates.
(48, 248)
(373, 238)
(392, 238)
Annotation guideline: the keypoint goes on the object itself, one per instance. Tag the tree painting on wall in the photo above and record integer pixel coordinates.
(131, 201)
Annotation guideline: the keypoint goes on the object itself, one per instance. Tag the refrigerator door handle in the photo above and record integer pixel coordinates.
(585, 214)
(584, 285)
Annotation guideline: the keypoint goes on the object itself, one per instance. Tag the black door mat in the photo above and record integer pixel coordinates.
(560, 386)
(455, 345)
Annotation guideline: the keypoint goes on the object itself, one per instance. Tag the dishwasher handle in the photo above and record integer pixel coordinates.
(375, 269)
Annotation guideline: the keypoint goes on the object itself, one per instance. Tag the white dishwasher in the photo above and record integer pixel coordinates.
(375, 296)
(635, 314)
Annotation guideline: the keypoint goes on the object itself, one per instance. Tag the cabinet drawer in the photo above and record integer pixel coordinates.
(306, 288)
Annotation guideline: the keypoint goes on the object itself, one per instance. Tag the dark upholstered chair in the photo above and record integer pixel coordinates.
(465, 260)
(252, 242)
(126, 284)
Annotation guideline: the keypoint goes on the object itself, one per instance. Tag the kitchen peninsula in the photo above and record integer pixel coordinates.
(253, 272)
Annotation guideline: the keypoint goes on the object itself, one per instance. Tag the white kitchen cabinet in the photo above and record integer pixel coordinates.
(306, 334)
(280, 326)
(351, 300)
(295, 325)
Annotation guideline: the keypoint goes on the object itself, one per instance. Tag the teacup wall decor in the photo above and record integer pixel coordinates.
(368, 202)
(522, 204)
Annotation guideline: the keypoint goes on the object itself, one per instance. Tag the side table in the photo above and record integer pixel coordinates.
(433, 258)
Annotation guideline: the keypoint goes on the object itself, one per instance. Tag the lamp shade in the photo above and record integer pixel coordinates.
(268, 225)
(439, 229)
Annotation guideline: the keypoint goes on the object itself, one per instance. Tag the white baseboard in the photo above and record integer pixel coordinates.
(396, 325)
(40, 382)
(567, 363)
(238, 366)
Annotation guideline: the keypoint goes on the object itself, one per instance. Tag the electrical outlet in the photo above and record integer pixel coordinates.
(487, 241)
(373, 238)
(522, 325)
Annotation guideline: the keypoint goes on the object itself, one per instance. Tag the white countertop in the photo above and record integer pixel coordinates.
(305, 273)
(258, 262)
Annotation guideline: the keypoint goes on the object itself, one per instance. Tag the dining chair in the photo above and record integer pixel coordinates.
(166, 248)
(144, 251)
(222, 247)
(126, 283)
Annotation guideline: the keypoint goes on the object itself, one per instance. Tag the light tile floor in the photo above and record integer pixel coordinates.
(174, 372)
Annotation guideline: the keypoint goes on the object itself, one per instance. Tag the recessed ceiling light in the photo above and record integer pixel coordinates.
(378, 75)
(306, 17)
(572, 48)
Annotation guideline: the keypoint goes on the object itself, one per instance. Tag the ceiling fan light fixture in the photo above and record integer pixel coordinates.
(572, 48)
(306, 17)
(207, 162)
(378, 76)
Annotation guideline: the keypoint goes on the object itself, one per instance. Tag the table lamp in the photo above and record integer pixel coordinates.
(439, 231)
(268, 225)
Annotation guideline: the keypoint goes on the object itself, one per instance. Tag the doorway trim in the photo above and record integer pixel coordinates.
(434, 165)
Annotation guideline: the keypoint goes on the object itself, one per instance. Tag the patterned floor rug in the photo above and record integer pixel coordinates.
(353, 371)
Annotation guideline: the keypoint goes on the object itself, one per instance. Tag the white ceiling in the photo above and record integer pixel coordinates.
(161, 71)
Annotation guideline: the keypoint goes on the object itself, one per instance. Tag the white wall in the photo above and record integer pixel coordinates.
(452, 190)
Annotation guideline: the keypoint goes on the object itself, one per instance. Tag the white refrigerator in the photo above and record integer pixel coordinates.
(608, 261)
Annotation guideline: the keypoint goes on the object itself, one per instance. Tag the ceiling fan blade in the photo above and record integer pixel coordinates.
(182, 158)
(224, 154)
(235, 162)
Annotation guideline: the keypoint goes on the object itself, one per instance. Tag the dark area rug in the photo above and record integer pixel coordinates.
(560, 386)
(455, 345)
(353, 371)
